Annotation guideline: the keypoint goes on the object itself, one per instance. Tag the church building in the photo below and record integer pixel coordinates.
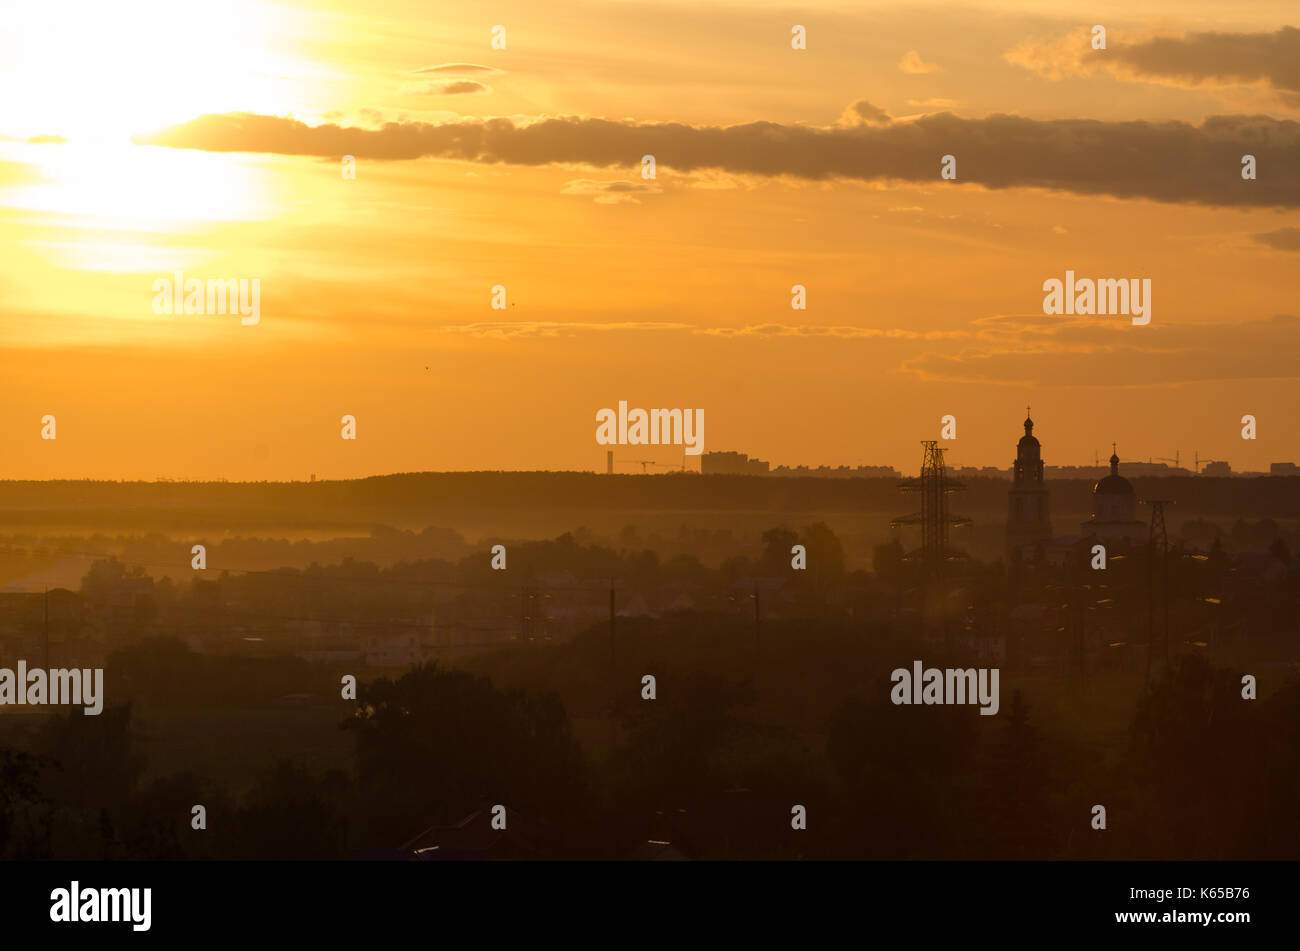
(1114, 508)
(1029, 527)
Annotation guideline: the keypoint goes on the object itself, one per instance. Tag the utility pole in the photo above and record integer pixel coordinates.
(613, 674)
(1085, 595)
(1157, 540)
(523, 614)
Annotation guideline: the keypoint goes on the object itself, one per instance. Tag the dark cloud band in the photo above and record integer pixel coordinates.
(1273, 58)
(1160, 161)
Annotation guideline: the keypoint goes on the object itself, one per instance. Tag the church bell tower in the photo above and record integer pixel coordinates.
(1028, 525)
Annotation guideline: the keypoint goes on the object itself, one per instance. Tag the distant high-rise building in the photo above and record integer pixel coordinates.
(1029, 525)
(1220, 470)
(1283, 469)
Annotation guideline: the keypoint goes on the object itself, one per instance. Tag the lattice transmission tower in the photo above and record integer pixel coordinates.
(934, 518)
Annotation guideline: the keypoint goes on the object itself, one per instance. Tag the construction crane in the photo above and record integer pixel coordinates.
(651, 462)
(1196, 465)
(643, 462)
(1174, 460)
(1200, 463)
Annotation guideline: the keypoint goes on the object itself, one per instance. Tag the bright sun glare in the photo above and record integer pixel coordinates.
(99, 70)
(116, 187)
(95, 73)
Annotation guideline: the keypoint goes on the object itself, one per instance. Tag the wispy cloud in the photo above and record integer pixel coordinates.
(459, 87)
(769, 330)
(608, 193)
(1096, 353)
(1007, 349)
(913, 64)
(1284, 239)
(862, 112)
(457, 69)
(1194, 59)
(553, 328)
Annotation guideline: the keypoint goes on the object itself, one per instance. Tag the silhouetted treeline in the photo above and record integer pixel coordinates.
(455, 498)
(1201, 774)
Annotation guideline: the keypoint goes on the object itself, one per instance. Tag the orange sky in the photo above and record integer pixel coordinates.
(924, 296)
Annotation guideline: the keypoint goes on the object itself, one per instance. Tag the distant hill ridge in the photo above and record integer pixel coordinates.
(417, 497)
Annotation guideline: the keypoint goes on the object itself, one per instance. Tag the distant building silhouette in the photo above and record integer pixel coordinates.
(1114, 508)
(1221, 470)
(732, 463)
(982, 472)
(839, 472)
(738, 463)
(1029, 525)
(1283, 469)
(1157, 470)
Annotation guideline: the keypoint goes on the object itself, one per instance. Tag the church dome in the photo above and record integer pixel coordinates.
(1113, 484)
(1028, 439)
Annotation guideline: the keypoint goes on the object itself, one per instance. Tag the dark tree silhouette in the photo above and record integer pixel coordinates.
(436, 743)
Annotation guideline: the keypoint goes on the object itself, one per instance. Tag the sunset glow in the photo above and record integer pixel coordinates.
(147, 138)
